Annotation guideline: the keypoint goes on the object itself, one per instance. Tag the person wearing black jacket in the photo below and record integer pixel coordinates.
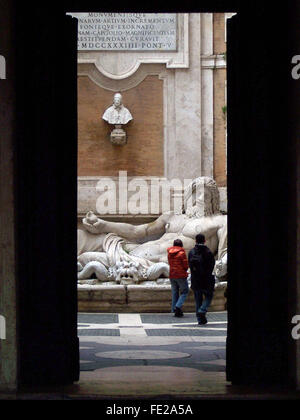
(201, 263)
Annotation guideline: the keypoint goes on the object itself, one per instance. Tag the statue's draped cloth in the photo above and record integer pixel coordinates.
(113, 245)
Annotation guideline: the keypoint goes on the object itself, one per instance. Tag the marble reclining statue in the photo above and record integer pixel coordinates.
(130, 254)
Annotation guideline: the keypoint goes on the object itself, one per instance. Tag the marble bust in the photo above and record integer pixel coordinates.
(117, 114)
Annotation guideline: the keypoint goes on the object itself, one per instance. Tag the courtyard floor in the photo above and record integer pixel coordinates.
(152, 354)
(152, 357)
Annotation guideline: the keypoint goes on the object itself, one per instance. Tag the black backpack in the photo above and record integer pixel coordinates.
(198, 264)
(201, 270)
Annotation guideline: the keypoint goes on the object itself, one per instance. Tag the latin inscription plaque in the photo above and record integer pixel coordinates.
(127, 31)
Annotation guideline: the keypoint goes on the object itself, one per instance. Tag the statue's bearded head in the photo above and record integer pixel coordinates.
(201, 198)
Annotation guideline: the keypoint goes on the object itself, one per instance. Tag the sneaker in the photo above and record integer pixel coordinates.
(178, 312)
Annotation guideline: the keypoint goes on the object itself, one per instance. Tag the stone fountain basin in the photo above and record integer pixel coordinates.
(148, 296)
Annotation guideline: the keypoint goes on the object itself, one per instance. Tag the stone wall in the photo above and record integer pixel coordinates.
(220, 156)
(176, 99)
(179, 124)
(219, 33)
(143, 153)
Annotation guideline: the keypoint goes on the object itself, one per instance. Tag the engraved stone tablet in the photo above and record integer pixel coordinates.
(127, 31)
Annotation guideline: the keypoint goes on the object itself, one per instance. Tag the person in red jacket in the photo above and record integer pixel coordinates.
(178, 276)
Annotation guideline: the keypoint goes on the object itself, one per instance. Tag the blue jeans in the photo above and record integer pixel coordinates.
(180, 290)
(202, 305)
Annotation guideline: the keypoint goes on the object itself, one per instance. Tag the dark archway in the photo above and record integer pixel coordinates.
(259, 348)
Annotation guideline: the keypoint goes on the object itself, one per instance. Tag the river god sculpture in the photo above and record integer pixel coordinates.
(126, 253)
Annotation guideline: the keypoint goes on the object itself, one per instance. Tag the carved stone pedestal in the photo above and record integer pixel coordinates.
(118, 136)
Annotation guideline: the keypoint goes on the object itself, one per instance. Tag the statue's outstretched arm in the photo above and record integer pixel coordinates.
(126, 230)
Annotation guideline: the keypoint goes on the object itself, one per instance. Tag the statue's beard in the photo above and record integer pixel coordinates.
(194, 212)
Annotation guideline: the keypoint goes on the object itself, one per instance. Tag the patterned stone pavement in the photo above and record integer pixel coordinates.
(116, 340)
(153, 357)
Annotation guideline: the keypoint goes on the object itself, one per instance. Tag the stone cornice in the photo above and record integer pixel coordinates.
(213, 61)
